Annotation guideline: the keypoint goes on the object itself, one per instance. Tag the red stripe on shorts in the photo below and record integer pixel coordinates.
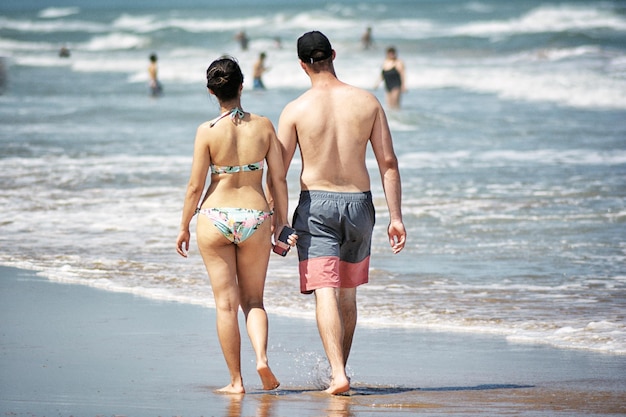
(329, 271)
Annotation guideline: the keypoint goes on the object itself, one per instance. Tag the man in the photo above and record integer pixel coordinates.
(155, 86)
(257, 71)
(332, 124)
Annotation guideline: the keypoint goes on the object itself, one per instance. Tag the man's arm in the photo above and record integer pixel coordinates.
(287, 135)
(382, 146)
(277, 184)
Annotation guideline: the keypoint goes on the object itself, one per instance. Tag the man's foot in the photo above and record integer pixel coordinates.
(231, 389)
(338, 386)
(267, 378)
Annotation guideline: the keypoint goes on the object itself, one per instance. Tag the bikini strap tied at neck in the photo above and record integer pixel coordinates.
(234, 113)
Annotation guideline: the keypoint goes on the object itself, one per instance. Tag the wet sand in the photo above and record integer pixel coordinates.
(70, 350)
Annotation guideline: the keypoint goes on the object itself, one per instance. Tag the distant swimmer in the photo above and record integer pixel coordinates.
(393, 75)
(156, 89)
(64, 52)
(243, 40)
(258, 70)
(366, 39)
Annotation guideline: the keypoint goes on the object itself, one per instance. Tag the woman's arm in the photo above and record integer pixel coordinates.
(197, 179)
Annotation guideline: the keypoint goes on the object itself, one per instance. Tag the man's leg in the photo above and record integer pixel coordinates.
(348, 309)
(330, 326)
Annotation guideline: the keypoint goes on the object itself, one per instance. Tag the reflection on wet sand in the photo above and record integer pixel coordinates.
(261, 402)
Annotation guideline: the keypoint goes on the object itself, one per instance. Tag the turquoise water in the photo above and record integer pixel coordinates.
(511, 141)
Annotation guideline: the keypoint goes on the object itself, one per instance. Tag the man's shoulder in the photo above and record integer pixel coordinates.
(290, 113)
(361, 96)
(301, 101)
(339, 94)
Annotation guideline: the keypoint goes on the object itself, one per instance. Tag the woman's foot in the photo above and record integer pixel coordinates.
(232, 389)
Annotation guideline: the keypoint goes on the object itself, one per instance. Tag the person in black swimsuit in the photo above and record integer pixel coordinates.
(393, 76)
(392, 79)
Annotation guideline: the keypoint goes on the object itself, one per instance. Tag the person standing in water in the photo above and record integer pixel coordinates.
(243, 40)
(234, 225)
(366, 38)
(257, 72)
(155, 86)
(393, 75)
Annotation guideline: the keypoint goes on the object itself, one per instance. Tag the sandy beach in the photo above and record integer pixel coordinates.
(70, 350)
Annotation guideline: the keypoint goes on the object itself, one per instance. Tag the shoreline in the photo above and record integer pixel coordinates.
(77, 350)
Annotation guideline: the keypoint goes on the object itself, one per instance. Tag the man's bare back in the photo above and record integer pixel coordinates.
(333, 138)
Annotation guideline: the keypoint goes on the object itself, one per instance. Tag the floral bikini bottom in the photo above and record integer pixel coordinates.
(236, 224)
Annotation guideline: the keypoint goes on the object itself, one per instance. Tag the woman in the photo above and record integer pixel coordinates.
(393, 75)
(234, 225)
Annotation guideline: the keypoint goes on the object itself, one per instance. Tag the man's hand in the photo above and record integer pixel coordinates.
(397, 236)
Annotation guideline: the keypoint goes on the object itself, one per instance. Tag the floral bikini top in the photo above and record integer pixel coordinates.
(231, 169)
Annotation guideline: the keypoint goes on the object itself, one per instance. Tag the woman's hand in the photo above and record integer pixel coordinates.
(182, 243)
(291, 240)
(280, 246)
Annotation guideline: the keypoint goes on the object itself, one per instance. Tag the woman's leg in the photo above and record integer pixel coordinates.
(394, 98)
(220, 260)
(252, 260)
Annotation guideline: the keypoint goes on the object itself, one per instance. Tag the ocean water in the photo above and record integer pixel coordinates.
(511, 141)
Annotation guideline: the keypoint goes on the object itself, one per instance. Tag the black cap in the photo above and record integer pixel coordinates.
(312, 42)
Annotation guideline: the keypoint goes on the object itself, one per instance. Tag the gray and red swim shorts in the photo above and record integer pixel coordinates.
(334, 239)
